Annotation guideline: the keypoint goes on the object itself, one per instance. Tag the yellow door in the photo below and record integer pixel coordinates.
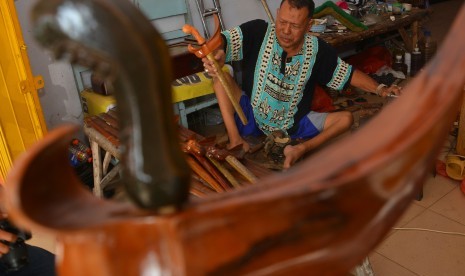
(21, 118)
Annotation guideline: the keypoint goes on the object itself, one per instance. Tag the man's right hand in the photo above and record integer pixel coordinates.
(220, 57)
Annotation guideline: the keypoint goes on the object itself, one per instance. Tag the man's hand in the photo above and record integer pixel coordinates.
(389, 91)
(220, 57)
(292, 154)
(239, 141)
(5, 236)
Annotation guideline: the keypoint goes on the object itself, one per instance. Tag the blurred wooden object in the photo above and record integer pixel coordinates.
(321, 217)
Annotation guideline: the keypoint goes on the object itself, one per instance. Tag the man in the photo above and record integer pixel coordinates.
(282, 63)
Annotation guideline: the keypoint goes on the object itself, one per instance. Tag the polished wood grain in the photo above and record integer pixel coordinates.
(321, 217)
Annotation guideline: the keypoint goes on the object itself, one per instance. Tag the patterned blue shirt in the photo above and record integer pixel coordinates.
(281, 89)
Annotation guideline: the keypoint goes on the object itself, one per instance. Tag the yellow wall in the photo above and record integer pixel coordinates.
(21, 118)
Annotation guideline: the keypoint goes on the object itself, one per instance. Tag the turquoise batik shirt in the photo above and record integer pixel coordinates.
(280, 88)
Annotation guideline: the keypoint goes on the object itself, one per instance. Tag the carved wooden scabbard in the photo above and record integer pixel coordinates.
(240, 168)
(192, 147)
(225, 172)
(224, 155)
(198, 169)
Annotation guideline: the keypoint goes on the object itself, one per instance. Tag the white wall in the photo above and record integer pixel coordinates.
(60, 96)
(235, 12)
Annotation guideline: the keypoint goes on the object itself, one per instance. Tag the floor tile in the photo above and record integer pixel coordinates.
(413, 211)
(435, 188)
(427, 253)
(452, 206)
(382, 266)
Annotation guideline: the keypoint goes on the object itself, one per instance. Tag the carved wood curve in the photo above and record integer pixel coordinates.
(321, 217)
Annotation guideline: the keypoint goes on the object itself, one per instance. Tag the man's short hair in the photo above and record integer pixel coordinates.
(298, 4)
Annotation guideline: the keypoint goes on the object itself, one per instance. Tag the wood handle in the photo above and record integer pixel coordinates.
(205, 50)
(189, 29)
(228, 89)
(239, 167)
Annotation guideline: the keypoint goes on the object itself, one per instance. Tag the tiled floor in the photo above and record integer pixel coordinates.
(416, 252)
(413, 252)
(420, 252)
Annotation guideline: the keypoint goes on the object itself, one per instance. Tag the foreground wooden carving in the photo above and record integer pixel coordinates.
(321, 217)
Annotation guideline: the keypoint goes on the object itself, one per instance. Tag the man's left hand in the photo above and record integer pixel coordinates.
(393, 90)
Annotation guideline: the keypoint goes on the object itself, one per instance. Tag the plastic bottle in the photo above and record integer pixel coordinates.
(399, 65)
(416, 62)
(407, 61)
(428, 46)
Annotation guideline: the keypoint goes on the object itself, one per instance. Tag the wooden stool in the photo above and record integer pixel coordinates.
(102, 131)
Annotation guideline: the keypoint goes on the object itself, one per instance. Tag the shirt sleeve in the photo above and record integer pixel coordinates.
(241, 39)
(332, 71)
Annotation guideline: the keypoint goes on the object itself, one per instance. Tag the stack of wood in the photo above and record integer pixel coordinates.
(214, 169)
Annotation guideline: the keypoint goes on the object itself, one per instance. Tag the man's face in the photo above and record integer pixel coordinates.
(291, 26)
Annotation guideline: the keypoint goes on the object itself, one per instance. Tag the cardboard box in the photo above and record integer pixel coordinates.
(93, 103)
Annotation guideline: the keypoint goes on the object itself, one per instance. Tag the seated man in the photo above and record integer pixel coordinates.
(282, 63)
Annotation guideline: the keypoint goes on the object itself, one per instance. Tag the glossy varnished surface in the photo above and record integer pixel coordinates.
(321, 217)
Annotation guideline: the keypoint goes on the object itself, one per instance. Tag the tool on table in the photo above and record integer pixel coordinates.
(206, 50)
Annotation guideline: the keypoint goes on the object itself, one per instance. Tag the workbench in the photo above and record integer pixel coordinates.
(402, 23)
